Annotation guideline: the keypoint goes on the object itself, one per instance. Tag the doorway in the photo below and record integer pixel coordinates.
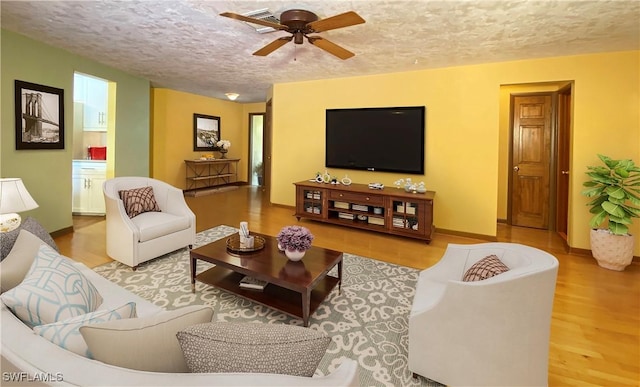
(268, 130)
(256, 145)
(539, 161)
(92, 144)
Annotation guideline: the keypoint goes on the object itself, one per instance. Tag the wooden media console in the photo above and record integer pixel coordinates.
(389, 210)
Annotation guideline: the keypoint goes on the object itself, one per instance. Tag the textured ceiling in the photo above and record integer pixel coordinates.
(186, 45)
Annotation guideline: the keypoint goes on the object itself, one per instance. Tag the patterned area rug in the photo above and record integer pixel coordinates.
(368, 322)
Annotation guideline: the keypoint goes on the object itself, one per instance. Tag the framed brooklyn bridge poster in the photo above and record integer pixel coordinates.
(39, 116)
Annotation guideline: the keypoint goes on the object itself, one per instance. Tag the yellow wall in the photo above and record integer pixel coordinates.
(172, 131)
(463, 138)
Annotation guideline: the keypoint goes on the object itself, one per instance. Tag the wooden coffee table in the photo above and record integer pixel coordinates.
(295, 288)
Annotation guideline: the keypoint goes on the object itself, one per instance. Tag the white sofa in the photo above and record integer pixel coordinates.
(149, 235)
(493, 332)
(24, 351)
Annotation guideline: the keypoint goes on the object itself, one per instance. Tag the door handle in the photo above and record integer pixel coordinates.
(564, 172)
(516, 168)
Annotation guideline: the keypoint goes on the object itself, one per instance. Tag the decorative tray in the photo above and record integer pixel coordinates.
(233, 244)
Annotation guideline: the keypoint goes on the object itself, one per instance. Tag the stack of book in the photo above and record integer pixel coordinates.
(252, 283)
(399, 222)
(377, 221)
(360, 207)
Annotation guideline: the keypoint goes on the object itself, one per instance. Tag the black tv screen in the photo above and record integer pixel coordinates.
(376, 139)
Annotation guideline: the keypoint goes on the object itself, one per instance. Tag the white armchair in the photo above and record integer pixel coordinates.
(493, 332)
(133, 241)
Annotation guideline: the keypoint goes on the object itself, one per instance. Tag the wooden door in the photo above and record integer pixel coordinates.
(562, 170)
(531, 160)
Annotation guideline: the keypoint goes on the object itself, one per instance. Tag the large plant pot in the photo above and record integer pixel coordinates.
(613, 252)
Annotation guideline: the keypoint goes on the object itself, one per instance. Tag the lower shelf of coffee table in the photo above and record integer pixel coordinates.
(273, 296)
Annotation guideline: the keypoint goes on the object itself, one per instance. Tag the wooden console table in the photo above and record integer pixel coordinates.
(389, 210)
(210, 173)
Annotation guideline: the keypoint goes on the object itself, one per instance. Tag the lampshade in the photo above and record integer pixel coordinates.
(232, 96)
(14, 198)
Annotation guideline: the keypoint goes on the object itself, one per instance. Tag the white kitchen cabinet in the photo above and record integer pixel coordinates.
(87, 180)
(94, 94)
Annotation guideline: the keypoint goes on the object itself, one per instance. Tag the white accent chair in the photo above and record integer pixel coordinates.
(149, 235)
(493, 332)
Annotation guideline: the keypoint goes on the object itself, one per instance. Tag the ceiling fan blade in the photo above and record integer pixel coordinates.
(253, 20)
(271, 47)
(338, 21)
(330, 47)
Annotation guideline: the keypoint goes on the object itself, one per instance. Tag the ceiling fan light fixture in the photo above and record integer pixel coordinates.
(232, 96)
(299, 23)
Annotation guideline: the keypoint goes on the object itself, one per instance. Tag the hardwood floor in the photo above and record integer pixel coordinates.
(595, 329)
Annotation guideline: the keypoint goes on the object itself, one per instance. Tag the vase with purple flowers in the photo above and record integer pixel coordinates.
(294, 241)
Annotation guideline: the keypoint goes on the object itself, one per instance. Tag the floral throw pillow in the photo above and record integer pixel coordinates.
(139, 200)
(487, 267)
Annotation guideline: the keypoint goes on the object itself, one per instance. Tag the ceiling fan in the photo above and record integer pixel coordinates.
(300, 23)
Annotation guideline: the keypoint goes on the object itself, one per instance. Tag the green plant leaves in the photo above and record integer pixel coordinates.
(615, 192)
(618, 229)
(590, 192)
(607, 161)
(622, 172)
(602, 178)
(623, 220)
(632, 211)
(613, 209)
(612, 188)
(598, 219)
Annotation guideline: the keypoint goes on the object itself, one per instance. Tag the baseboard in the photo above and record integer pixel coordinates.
(210, 190)
(61, 232)
(488, 238)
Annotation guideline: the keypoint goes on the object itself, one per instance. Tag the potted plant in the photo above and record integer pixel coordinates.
(615, 192)
(295, 241)
(258, 169)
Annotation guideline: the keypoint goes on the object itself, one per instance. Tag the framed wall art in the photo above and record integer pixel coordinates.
(206, 132)
(39, 116)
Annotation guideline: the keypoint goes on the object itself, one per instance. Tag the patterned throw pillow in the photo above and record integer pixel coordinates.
(139, 200)
(250, 347)
(487, 267)
(67, 335)
(53, 290)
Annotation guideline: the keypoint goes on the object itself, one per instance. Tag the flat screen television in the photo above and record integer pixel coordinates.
(389, 139)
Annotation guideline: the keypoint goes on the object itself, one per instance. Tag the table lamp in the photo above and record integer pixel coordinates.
(14, 198)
